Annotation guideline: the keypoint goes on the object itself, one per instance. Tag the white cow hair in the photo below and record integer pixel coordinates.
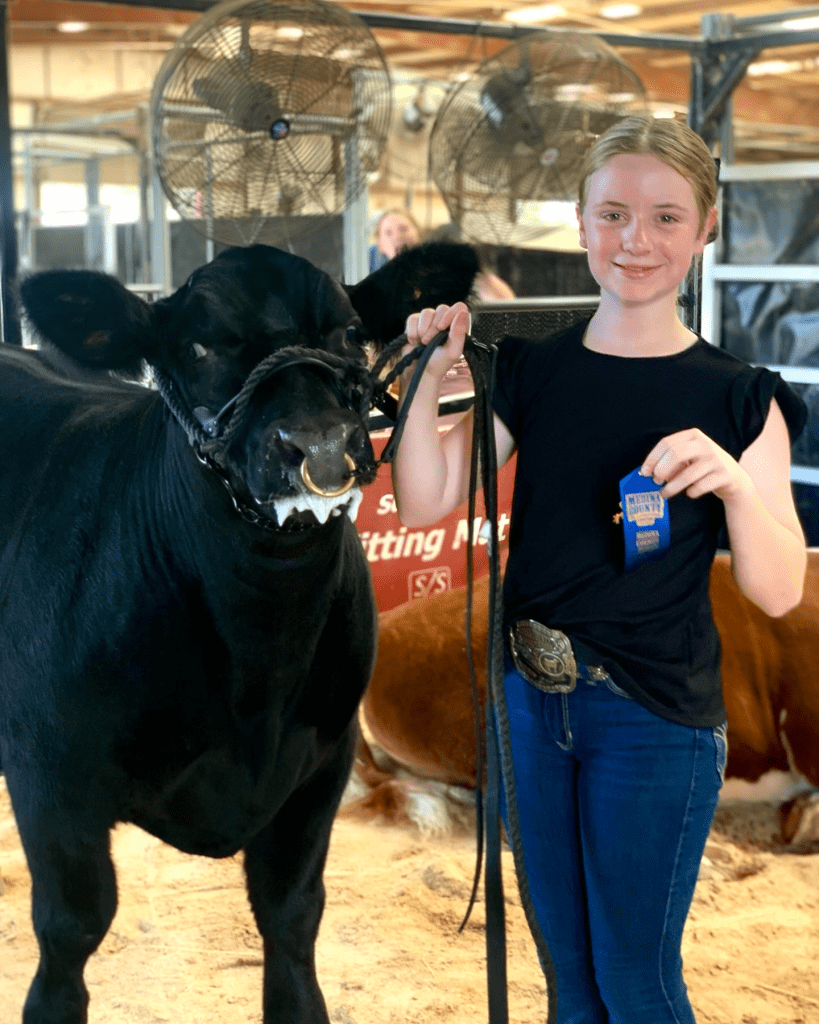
(322, 508)
(437, 809)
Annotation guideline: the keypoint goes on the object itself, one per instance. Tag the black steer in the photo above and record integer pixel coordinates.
(165, 660)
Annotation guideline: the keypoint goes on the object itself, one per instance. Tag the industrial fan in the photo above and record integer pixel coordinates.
(267, 118)
(511, 137)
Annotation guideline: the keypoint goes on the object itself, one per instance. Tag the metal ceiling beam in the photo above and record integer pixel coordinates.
(712, 83)
(776, 17)
(497, 30)
(168, 5)
(765, 41)
(460, 27)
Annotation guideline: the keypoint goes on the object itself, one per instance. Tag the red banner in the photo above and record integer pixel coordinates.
(409, 564)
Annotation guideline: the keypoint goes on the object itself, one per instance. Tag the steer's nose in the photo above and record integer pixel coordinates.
(322, 452)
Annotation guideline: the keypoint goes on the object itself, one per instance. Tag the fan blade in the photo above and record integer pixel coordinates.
(503, 99)
(251, 106)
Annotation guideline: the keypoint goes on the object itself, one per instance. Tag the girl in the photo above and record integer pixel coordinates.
(394, 230)
(618, 749)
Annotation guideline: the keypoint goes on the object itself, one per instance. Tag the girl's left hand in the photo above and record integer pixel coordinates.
(690, 461)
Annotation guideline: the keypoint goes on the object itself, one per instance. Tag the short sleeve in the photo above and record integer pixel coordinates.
(751, 396)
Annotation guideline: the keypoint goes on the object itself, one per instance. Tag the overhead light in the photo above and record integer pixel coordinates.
(618, 11)
(73, 26)
(574, 92)
(775, 67)
(289, 32)
(530, 15)
(801, 24)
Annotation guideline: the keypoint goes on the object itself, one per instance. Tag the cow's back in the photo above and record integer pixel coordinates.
(47, 417)
(768, 670)
(67, 553)
(418, 705)
(71, 455)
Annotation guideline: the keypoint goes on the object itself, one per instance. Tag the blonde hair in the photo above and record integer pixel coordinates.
(388, 213)
(669, 140)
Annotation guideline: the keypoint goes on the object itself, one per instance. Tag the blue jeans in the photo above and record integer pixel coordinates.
(615, 805)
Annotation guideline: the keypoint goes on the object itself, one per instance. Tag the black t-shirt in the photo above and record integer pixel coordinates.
(581, 421)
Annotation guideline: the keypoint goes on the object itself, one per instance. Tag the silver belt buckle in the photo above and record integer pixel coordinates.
(543, 656)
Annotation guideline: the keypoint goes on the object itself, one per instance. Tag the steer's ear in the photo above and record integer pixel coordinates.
(90, 317)
(425, 275)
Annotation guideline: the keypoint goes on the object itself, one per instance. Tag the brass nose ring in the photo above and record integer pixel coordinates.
(333, 492)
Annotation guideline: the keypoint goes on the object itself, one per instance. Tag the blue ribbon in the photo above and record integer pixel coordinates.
(646, 524)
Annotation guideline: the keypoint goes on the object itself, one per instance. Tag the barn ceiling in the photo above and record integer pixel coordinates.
(776, 115)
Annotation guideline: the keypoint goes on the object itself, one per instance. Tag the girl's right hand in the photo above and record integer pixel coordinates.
(422, 327)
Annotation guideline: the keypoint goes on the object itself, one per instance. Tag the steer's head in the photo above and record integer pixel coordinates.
(284, 428)
(286, 432)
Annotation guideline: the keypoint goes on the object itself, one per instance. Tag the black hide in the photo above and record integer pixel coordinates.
(425, 275)
(164, 661)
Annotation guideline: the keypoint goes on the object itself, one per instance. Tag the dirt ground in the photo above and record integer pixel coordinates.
(183, 947)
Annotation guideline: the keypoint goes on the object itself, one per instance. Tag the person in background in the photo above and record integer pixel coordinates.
(636, 441)
(395, 230)
(489, 287)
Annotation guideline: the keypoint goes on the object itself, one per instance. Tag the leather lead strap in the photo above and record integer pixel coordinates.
(481, 360)
(481, 364)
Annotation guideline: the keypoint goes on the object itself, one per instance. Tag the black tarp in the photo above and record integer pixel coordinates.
(769, 223)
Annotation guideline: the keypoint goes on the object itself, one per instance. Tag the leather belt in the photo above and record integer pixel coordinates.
(544, 657)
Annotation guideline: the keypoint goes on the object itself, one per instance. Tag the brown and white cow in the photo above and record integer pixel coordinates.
(418, 707)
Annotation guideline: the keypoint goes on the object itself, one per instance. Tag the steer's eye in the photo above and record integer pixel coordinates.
(354, 337)
(199, 350)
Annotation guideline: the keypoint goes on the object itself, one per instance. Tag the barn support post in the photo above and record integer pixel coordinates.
(93, 232)
(25, 238)
(8, 254)
(144, 212)
(160, 238)
(354, 219)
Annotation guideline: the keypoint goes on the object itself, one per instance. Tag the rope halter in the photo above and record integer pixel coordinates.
(358, 387)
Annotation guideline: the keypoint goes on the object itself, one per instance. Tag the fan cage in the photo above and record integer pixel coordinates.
(509, 140)
(267, 118)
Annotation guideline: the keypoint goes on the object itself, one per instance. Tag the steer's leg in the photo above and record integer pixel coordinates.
(74, 899)
(284, 866)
